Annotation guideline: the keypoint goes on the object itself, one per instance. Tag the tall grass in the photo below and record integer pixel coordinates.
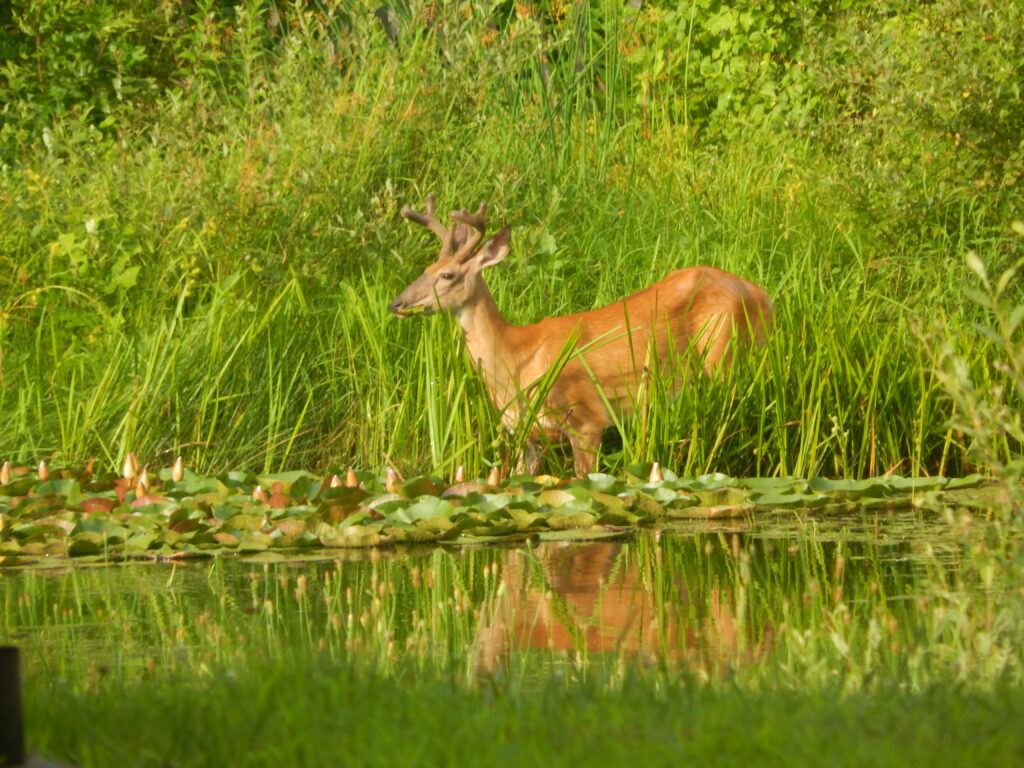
(211, 277)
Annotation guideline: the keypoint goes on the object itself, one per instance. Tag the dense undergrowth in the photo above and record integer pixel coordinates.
(200, 230)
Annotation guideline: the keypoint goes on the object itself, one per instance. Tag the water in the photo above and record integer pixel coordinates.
(703, 597)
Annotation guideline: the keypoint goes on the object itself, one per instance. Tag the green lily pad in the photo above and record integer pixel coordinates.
(559, 522)
(722, 511)
(423, 508)
(789, 500)
(87, 543)
(846, 489)
(355, 536)
(912, 484)
(412, 535)
(721, 496)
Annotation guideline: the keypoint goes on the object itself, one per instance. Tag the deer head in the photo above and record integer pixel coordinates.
(453, 280)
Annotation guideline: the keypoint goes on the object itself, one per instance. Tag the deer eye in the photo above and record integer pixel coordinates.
(447, 275)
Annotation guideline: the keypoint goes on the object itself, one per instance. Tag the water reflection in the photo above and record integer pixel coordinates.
(614, 598)
(697, 597)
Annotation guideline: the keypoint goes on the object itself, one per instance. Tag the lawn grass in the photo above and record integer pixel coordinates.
(327, 715)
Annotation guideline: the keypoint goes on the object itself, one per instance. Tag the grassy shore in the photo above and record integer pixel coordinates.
(203, 267)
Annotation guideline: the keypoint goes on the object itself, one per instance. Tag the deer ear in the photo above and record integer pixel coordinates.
(495, 249)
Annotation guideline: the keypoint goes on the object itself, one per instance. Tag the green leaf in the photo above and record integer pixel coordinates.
(789, 500)
(721, 497)
(354, 536)
(968, 481)
(423, 508)
(559, 522)
(900, 484)
(774, 485)
(555, 497)
(846, 489)
(285, 478)
(421, 486)
(600, 482)
(412, 535)
(524, 519)
(722, 511)
(87, 543)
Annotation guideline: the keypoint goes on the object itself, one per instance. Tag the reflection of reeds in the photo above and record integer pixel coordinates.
(713, 606)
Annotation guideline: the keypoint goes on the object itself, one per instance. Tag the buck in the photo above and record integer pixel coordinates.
(587, 364)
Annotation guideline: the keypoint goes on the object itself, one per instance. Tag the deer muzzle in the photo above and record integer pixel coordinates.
(402, 309)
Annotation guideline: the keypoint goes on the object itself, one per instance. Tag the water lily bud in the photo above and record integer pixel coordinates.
(260, 494)
(43, 471)
(143, 484)
(178, 470)
(460, 474)
(335, 482)
(131, 467)
(351, 481)
(656, 475)
(5, 473)
(392, 483)
(494, 476)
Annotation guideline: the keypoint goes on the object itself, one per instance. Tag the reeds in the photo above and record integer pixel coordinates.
(215, 283)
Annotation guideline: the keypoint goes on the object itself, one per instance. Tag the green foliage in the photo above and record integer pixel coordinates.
(77, 61)
(199, 231)
(109, 518)
(990, 411)
(722, 67)
(922, 101)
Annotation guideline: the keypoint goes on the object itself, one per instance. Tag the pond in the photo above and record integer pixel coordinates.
(781, 594)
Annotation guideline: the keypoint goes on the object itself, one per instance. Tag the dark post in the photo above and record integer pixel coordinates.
(12, 734)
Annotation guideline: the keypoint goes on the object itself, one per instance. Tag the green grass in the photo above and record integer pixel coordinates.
(325, 715)
(211, 276)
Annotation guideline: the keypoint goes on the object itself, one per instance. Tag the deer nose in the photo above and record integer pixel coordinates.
(395, 305)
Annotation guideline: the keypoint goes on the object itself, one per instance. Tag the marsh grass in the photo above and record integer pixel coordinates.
(210, 276)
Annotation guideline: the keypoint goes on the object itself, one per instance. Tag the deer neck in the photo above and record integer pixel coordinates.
(490, 342)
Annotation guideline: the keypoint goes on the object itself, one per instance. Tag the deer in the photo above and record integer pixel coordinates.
(587, 366)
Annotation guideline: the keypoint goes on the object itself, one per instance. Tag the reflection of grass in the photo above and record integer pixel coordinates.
(810, 634)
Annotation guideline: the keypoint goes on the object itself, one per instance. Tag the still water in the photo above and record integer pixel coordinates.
(706, 598)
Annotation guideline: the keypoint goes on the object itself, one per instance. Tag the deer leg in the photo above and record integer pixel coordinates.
(585, 441)
(529, 460)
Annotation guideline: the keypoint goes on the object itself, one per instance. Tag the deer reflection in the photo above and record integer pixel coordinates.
(619, 598)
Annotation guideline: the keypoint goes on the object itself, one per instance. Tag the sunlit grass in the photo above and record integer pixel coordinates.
(214, 281)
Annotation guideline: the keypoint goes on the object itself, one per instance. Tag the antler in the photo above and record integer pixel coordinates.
(427, 220)
(458, 241)
(474, 221)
